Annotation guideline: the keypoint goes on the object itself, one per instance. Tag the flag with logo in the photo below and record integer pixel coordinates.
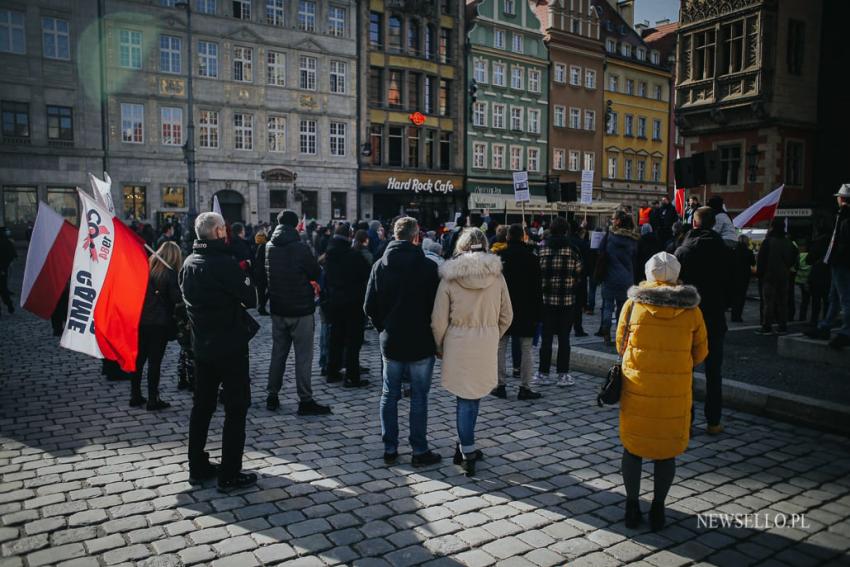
(102, 191)
(109, 279)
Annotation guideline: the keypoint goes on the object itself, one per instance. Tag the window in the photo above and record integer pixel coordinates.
(658, 92)
(208, 122)
(277, 198)
(205, 6)
(337, 76)
(130, 49)
(307, 138)
(794, 159)
(498, 115)
(56, 38)
(413, 90)
(516, 77)
(394, 92)
(243, 66)
(444, 97)
(560, 116)
(534, 80)
(242, 9)
(207, 59)
(630, 87)
(560, 73)
(573, 160)
(575, 118)
(498, 159)
(518, 43)
(12, 34)
(277, 133)
(479, 114)
(575, 76)
(430, 152)
(656, 129)
(376, 141)
(132, 123)
(60, 123)
(516, 158)
(413, 37)
(590, 78)
(375, 30)
(509, 7)
(641, 167)
(611, 126)
(445, 45)
(276, 68)
(642, 89)
(395, 142)
(703, 58)
(16, 119)
(376, 86)
(626, 50)
(533, 160)
(307, 15)
(394, 41)
(412, 146)
(276, 12)
(612, 167)
(63, 200)
(611, 45)
(796, 46)
(336, 21)
(575, 25)
(307, 73)
(534, 121)
(499, 39)
(628, 125)
(641, 54)
(243, 131)
(172, 126)
(169, 54)
(641, 132)
(479, 155)
(730, 164)
(590, 120)
(445, 150)
(732, 54)
(628, 169)
(613, 83)
(559, 159)
(656, 171)
(654, 57)
(589, 161)
(337, 133)
(429, 42)
(135, 199)
(339, 205)
(499, 74)
(479, 70)
(310, 204)
(516, 118)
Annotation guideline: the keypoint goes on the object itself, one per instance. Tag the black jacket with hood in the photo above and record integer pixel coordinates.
(521, 269)
(290, 267)
(708, 264)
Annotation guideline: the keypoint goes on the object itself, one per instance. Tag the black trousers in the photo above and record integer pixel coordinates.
(578, 307)
(233, 374)
(346, 340)
(262, 296)
(152, 342)
(713, 377)
(739, 298)
(5, 294)
(557, 322)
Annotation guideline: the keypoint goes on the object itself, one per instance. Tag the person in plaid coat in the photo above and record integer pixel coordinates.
(561, 268)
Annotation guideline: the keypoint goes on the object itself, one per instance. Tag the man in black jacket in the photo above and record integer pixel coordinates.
(346, 275)
(707, 264)
(290, 269)
(399, 300)
(837, 257)
(215, 292)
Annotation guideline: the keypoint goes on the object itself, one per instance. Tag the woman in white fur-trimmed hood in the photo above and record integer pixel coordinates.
(471, 313)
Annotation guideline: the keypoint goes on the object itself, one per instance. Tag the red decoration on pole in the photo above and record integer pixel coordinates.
(417, 118)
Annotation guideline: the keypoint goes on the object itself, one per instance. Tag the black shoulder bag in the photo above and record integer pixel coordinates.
(609, 393)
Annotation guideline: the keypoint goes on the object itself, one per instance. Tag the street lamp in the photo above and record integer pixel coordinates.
(189, 146)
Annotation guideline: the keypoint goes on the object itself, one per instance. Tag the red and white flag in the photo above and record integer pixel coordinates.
(49, 260)
(761, 210)
(109, 279)
(679, 200)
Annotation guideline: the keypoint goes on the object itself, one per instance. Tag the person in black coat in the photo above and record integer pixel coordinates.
(579, 240)
(7, 256)
(742, 272)
(216, 291)
(346, 276)
(521, 270)
(705, 261)
(648, 246)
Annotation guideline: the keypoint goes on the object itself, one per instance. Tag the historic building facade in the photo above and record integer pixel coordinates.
(411, 137)
(637, 99)
(507, 120)
(746, 84)
(576, 101)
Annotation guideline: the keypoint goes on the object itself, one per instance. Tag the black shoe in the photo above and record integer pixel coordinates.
(241, 480)
(499, 391)
(390, 458)
(839, 341)
(262, 311)
(765, 331)
(312, 408)
(207, 473)
(323, 371)
(425, 459)
(355, 383)
(458, 457)
(817, 333)
(157, 404)
(272, 402)
(467, 462)
(633, 515)
(580, 334)
(657, 517)
(516, 373)
(137, 401)
(528, 394)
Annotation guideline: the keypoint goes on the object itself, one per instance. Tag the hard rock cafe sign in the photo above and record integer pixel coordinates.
(416, 185)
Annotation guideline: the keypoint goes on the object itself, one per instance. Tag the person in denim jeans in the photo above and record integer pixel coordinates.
(399, 299)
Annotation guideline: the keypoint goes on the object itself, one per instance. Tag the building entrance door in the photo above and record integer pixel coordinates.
(231, 203)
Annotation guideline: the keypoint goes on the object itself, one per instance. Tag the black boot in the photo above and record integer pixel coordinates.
(633, 515)
(657, 518)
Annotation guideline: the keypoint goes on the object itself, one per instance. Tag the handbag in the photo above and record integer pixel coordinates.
(252, 327)
(609, 393)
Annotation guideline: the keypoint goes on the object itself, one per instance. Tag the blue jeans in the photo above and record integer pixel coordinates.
(419, 373)
(839, 298)
(324, 339)
(467, 414)
(610, 296)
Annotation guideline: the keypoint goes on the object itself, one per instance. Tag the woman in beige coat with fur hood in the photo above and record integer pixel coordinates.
(471, 313)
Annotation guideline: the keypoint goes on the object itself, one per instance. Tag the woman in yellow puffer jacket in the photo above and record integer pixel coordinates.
(661, 337)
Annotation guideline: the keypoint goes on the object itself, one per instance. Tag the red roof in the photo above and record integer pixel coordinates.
(660, 32)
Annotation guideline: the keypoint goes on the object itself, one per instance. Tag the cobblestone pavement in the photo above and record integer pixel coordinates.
(86, 480)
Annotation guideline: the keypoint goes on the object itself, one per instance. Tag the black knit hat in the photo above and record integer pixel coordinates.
(288, 218)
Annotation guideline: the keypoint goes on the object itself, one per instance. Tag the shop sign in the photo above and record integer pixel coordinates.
(417, 185)
(794, 213)
(417, 118)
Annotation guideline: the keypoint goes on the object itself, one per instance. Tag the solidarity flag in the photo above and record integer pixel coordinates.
(763, 209)
(109, 279)
(49, 260)
(102, 191)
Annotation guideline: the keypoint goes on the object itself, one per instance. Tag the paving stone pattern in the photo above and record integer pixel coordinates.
(86, 480)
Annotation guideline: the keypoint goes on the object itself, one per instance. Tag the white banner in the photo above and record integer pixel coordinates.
(586, 186)
(91, 262)
(102, 190)
(521, 191)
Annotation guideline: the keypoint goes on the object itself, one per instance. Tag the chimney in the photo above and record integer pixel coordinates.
(642, 26)
(627, 11)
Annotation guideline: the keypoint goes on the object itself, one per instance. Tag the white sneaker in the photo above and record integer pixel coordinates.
(541, 379)
(565, 380)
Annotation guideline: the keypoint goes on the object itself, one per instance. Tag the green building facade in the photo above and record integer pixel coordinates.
(507, 109)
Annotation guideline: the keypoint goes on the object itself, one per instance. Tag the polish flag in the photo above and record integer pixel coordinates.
(761, 210)
(109, 280)
(49, 260)
(679, 199)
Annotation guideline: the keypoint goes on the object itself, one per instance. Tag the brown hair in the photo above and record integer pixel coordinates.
(170, 252)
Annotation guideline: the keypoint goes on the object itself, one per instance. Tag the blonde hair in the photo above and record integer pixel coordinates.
(471, 239)
(170, 252)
